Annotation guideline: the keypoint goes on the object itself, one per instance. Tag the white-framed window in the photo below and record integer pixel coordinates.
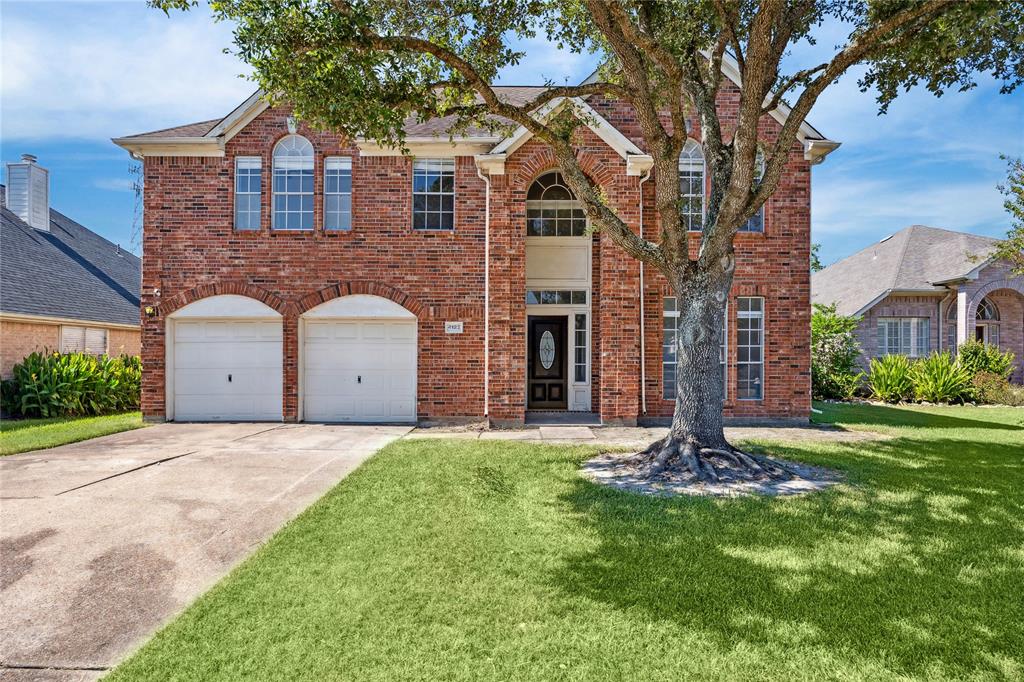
(986, 322)
(556, 297)
(904, 336)
(338, 193)
(91, 340)
(433, 194)
(293, 184)
(580, 347)
(691, 185)
(750, 348)
(248, 186)
(755, 223)
(552, 210)
(669, 360)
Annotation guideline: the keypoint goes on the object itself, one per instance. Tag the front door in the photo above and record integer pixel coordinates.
(546, 380)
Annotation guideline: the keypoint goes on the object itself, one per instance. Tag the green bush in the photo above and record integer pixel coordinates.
(940, 379)
(977, 357)
(890, 378)
(834, 353)
(994, 389)
(72, 384)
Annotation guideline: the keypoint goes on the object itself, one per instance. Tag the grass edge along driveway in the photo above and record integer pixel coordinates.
(25, 435)
(491, 560)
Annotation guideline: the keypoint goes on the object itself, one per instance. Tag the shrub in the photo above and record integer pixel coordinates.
(977, 357)
(940, 379)
(994, 389)
(72, 384)
(834, 353)
(890, 378)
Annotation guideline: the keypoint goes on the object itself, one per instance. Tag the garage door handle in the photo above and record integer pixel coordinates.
(229, 378)
(359, 379)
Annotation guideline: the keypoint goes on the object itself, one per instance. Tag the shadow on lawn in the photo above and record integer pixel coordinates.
(885, 415)
(906, 568)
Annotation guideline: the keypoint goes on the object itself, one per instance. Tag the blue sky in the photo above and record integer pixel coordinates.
(122, 68)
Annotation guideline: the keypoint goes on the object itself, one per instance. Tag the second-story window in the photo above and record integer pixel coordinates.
(433, 194)
(691, 186)
(338, 193)
(756, 222)
(247, 192)
(293, 184)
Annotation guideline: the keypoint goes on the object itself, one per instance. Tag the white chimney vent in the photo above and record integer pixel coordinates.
(28, 192)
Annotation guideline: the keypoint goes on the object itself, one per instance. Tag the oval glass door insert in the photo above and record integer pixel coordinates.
(547, 350)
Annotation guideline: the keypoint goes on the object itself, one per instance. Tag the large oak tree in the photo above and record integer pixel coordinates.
(362, 67)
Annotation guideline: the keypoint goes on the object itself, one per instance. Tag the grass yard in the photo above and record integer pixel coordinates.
(22, 435)
(464, 560)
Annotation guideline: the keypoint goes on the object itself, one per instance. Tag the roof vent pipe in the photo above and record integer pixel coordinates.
(28, 192)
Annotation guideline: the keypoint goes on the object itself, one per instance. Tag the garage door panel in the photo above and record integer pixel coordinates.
(359, 370)
(209, 352)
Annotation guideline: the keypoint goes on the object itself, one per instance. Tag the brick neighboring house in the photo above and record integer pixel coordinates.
(62, 286)
(294, 275)
(925, 289)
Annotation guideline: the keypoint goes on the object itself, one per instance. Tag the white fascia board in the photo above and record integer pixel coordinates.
(170, 146)
(492, 164)
(242, 115)
(595, 121)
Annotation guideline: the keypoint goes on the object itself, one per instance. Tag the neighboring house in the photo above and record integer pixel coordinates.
(294, 275)
(62, 286)
(924, 289)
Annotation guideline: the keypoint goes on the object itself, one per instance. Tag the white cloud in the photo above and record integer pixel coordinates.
(115, 184)
(119, 69)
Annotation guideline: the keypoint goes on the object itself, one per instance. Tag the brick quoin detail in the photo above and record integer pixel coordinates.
(191, 251)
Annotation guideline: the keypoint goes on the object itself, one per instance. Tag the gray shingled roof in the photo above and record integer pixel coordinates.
(69, 272)
(435, 127)
(913, 259)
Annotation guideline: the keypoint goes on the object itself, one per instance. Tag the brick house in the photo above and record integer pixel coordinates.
(289, 274)
(62, 286)
(924, 289)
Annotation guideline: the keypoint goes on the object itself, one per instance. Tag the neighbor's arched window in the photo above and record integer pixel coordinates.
(691, 185)
(293, 184)
(552, 210)
(987, 311)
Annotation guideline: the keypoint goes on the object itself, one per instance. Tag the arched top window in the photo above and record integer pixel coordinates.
(951, 312)
(293, 184)
(691, 185)
(987, 311)
(756, 222)
(552, 210)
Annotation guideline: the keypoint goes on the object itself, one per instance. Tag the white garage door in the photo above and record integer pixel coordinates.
(227, 370)
(359, 370)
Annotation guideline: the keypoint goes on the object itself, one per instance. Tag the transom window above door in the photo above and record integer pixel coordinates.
(552, 210)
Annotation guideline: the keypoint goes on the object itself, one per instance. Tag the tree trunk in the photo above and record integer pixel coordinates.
(696, 445)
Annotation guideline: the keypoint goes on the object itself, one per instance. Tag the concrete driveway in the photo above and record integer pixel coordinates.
(101, 542)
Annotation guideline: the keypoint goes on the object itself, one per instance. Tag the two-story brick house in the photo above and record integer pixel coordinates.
(289, 274)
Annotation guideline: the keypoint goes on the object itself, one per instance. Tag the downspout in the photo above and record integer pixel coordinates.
(487, 289)
(643, 335)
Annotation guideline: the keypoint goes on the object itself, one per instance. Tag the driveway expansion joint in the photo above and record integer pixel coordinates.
(126, 471)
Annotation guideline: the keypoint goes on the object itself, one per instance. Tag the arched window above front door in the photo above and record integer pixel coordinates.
(552, 210)
(987, 311)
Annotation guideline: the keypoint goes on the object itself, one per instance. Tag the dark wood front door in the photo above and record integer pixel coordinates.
(546, 386)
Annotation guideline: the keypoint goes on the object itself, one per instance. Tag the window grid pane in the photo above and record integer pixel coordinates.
(756, 222)
(556, 297)
(580, 347)
(247, 192)
(750, 349)
(691, 186)
(293, 184)
(433, 194)
(338, 193)
(670, 317)
(910, 336)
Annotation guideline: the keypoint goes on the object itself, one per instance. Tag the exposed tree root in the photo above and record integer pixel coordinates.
(708, 464)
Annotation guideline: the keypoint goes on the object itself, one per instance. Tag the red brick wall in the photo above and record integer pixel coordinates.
(191, 250)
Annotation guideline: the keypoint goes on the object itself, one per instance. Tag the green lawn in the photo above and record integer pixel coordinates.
(460, 560)
(22, 435)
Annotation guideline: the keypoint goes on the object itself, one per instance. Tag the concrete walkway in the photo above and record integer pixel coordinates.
(630, 437)
(102, 542)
